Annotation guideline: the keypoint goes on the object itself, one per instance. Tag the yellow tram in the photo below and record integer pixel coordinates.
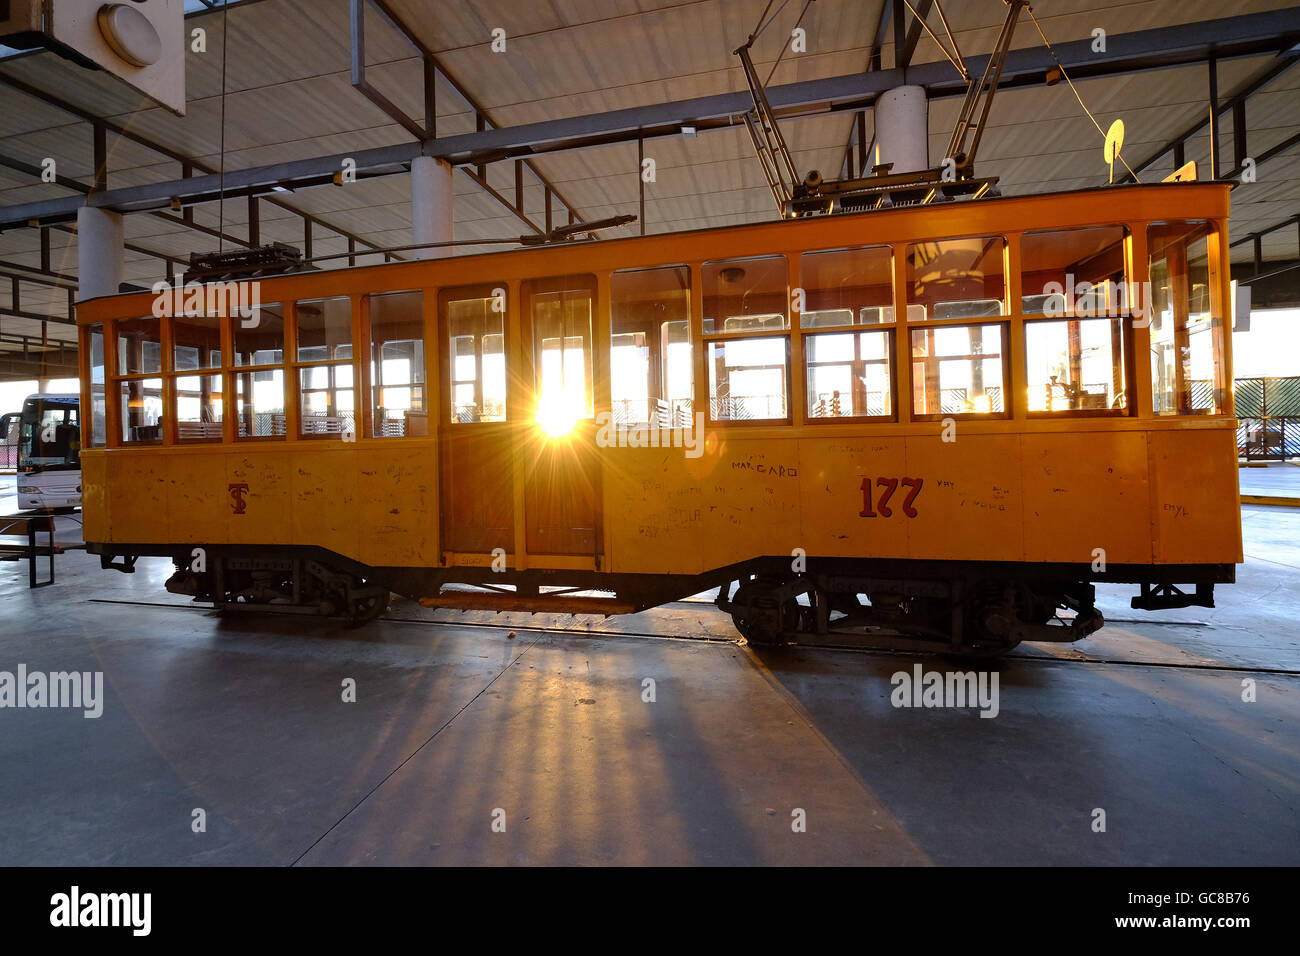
(946, 422)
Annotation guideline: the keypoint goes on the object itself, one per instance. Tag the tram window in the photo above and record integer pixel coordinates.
(848, 374)
(196, 342)
(198, 407)
(140, 400)
(956, 278)
(847, 287)
(747, 379)
(746, 295)
(476, 346)
(259, 403)
(1073, 271)
(957, 369)
(260, 340)
(98, 398)
(397, 364)
(1186, 322)
(562, 350)
(650, 366)
(324, 329)
(1075, 364)
(139, 346)
(327, 409)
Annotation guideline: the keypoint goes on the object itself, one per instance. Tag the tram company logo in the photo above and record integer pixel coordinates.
(613, 434)
(78, 690)
(946, 689)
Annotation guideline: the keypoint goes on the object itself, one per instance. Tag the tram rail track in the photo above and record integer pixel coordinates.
(840, 647)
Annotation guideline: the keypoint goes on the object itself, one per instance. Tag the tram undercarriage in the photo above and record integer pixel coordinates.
(965, 608)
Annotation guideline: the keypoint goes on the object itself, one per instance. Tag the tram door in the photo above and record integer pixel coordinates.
(561, 484)
(476, 448)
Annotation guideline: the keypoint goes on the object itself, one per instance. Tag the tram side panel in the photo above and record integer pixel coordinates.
(1056, 497)
(1195, 513)
(1085, 493)
(375, 505)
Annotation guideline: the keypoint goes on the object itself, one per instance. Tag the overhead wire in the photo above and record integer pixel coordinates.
(1061, 66)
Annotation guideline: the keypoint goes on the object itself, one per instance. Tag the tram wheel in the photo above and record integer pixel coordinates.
(761, 617)
(365, 609)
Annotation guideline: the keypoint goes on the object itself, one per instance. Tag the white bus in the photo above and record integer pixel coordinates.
(49, 453)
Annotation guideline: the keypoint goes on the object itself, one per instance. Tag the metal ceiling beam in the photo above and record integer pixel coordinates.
(432, 69)
(99, 126)
(85, 189)
(1234, 104)
(1231, 37)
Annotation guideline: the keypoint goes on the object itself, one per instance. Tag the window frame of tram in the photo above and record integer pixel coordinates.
(1172, 272)
(139, 390)
(1083, 308)
(245, 376)
(198, 377)
(95, 425)
(753, 343)
(574, 404)
(969, 314)
(331, 374)
(650, 366)
(492, 309)
(414, 419)
(851, 320)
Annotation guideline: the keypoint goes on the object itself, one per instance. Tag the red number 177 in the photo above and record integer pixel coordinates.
(890, 485)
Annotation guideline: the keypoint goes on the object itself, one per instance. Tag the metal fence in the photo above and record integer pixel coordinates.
(1268, 415)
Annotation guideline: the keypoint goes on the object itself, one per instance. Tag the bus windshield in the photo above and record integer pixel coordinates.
(50, 436)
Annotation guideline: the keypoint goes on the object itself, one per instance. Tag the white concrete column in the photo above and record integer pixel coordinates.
(431, 205)
(99, 252)
(902, 118)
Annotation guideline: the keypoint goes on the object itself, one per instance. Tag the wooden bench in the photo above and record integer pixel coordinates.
(18, 525)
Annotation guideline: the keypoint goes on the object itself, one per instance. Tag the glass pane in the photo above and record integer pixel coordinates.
(652, 378)
(957, 369)
(848, 374)
(956, 278)
(1075, 365)
(1186, 326)
(1074, 271)
(260, 340)
(747, 379)
(562, 357)
(259, 403)
(847, 287)
(139, 346)
(142, 410)
(326, 401)
(324, 329)
(397, 364)
(50, 434)
(477, 359)
(196, 342)
(746, 295)
(98, 403)
(198, 407)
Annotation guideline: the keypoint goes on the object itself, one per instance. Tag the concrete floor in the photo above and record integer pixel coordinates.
(1279, 479)
(454, 719)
